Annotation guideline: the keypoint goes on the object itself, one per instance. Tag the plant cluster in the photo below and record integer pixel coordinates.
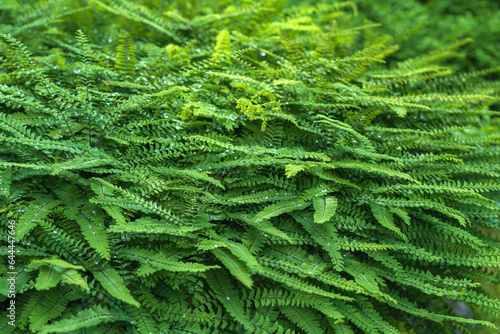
(240, 167)
(422, 26)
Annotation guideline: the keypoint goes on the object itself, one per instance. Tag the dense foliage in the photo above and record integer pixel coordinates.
(240, 167)
(421, 26)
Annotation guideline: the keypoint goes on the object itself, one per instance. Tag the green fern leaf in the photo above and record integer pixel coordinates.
(116, 213)
(156, 261)
(223, 46)
(94, 231)
(342, 328)
(366, 317)
(385, 218)
(304, 318)
(150, 225)
(79, 163)
(144, 321)
(265, 226)
(15, 127)
(189, 174)
(280, 208)
(46, 306)
(324, 209)
(70, 195)
(299, 284)
(325, 235)
(236, 267)
(364, 276)
(74, 277)
(241, 252)
(228, 296)
(125, 54)
(51, 272)
(292, 170)
(86, 318)
(55, 261)
(47, 278)
(45, 144)
(113, 283)
(34, 213)
(5, 181)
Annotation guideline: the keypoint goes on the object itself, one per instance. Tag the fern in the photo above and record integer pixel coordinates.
(125, 54)
(241, 167)
(86, 318)
(324, 209)
(228, 296)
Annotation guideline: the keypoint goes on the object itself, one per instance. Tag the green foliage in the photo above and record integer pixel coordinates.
(422, 26)
(240, 167)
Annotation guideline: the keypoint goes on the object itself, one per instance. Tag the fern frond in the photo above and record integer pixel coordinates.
(125, 54)
(44, 307)
(154, 261)
(386, 219)
(87, 318)
(223, 46)
(304, 318)
(324, 209)
(228, 296)
(111, 281)
(93, 230)
(299, 284)
(325, 235)
(33, 214)
(235, 266)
